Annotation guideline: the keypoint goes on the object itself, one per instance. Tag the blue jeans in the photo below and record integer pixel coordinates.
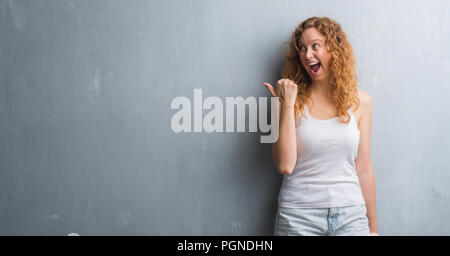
(337, 221)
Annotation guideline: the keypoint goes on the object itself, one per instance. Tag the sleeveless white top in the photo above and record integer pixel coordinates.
(324, 175)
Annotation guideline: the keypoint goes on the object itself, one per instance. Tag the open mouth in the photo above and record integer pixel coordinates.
(315, 67)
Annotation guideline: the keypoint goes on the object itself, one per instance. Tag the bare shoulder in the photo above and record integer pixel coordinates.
(364, 97)
(365, 107)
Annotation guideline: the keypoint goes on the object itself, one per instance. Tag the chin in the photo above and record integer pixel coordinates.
(317, 79)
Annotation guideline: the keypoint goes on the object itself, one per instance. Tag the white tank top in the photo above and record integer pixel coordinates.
(324, 175)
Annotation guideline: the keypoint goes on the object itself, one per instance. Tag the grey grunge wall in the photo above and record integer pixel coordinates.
(86, 143)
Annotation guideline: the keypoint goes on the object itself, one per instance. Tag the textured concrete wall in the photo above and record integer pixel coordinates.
(86, 144)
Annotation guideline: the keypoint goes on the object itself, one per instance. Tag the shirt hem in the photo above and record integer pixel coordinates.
(342, 204)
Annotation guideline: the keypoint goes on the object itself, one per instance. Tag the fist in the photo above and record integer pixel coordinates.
(286, 90)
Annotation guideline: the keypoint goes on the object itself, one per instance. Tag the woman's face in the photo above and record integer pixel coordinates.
(313, 54)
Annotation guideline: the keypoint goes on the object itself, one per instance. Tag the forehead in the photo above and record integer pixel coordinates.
(311, 34)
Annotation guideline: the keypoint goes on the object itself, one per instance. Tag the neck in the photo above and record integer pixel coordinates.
(320, 87)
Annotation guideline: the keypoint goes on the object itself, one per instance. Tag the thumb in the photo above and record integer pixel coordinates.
(270, 88)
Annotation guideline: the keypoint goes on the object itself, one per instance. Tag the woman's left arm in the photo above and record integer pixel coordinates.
(364, 168)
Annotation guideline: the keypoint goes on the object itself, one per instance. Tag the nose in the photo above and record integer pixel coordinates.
(309, 54)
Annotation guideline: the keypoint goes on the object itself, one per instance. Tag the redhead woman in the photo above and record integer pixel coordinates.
(323, 150)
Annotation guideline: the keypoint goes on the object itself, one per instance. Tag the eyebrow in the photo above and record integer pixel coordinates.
(301, 43)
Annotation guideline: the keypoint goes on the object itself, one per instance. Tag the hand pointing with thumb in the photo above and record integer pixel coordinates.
(286, 91)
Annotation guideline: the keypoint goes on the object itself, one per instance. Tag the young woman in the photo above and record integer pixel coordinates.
(323, 149)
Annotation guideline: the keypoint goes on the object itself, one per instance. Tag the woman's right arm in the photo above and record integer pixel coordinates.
(284, 150)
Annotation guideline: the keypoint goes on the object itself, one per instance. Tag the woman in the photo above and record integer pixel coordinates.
(323, 149)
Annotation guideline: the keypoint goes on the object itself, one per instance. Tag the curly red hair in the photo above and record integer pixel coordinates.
(343, 89)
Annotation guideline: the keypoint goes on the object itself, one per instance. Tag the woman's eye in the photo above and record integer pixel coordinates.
(315, 46)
